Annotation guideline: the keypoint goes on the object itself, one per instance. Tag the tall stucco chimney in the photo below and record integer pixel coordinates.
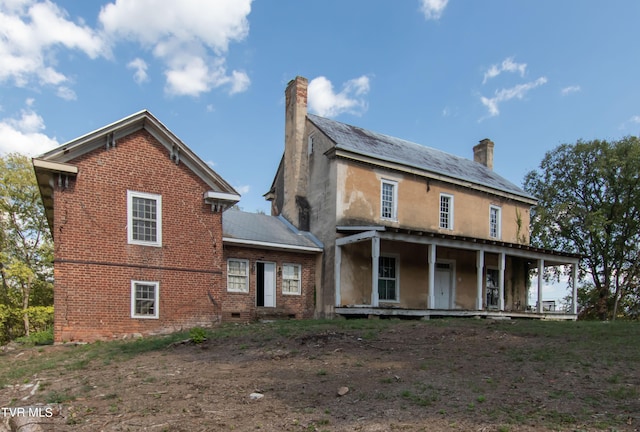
(296, 170)
(483, 153)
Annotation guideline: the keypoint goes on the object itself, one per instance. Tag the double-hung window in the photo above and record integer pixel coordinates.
(446, 211)
(237, 275)
(494, 222)
(389, 199)
(144, 299)
(291, 279)
(144, 213)
(387, 279)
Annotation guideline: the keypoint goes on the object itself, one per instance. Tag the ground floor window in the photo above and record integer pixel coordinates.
(238, 275)
(144, 299)
(387, 279)
(291, 279)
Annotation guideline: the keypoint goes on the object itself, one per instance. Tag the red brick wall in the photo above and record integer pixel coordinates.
(242, 306)
(94, 264)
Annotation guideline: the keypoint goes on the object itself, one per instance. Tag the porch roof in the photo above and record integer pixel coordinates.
(355, 233)
(266, 232)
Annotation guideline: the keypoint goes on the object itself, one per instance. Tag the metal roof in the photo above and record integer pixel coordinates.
(260, 230)
(387, 148)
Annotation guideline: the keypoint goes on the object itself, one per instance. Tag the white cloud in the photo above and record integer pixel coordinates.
(31, 33)
(66, 93)
(635, 119)
(325, 102)
(507, 65)
(518, 92)
(571, 89)
(242, 190)
(433, 9)
(189, 36)
(24, 135)
(140, 70)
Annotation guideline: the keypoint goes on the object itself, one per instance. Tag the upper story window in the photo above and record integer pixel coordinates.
(389, 199)
(495, 222)
(291, 279)
(387, 279)
(144, 213)
(237, 275)
(446, 211)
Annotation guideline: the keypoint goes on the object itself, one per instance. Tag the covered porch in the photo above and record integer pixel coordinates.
(384, 271)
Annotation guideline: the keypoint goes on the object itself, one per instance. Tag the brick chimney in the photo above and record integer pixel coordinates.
(483, 153)
(296, 168)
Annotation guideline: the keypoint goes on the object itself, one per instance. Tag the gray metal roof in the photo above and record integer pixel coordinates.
(388, 148)
(266, 231)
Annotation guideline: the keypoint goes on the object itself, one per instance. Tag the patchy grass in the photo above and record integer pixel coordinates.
(471, 373)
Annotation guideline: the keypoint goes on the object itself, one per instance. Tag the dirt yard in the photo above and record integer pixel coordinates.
(453, 375)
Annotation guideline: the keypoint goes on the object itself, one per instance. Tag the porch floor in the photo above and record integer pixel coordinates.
(365, 311)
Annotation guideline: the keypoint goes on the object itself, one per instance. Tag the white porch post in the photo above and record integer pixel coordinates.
(540, 277)
(375, 263)
(336, 269)
(574, 294)
(479, 278)
(501, 265)
(431, 258)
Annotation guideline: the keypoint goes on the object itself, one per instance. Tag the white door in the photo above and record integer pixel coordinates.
(269, 285)
(443, 286)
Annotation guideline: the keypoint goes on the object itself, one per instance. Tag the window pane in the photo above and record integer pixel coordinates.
(387, 279)
(445, 211)
(144, 220)
(145, 299)
(387, 200)
(291, 279)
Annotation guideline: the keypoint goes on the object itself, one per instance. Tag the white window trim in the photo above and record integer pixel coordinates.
(246, 285)
(156, 309)
(299, 292)
(158, 198)
(499, 221)
(451, 219)
(397, 258)
(394, 207)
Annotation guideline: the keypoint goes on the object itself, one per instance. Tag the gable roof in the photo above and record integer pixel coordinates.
(59, 161)
(387, 149)
(264, 231)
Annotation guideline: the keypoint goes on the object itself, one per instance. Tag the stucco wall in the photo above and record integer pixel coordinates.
(413, 275)
(358, 200)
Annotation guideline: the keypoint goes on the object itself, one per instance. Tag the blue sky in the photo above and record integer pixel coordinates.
(529, 75)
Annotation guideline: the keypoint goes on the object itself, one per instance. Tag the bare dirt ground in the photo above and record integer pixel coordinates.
(465, 375)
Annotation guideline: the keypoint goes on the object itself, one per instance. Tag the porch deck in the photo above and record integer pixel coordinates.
(366, 311)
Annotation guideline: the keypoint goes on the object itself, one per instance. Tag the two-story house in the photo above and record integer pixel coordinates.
(407, 229)
(139, 244)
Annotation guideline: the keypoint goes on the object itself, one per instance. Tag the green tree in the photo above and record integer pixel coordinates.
(26, 247)
(589, 203)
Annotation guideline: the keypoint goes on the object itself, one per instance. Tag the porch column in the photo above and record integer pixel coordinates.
(574, 294)
(375, 263)
(336, 269)
(540, 278)
(479, 278)
(431, 258)
(501, 265)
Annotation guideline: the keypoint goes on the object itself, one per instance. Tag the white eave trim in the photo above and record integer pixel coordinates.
(55, 166)
(270, 245)
(221, 196)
